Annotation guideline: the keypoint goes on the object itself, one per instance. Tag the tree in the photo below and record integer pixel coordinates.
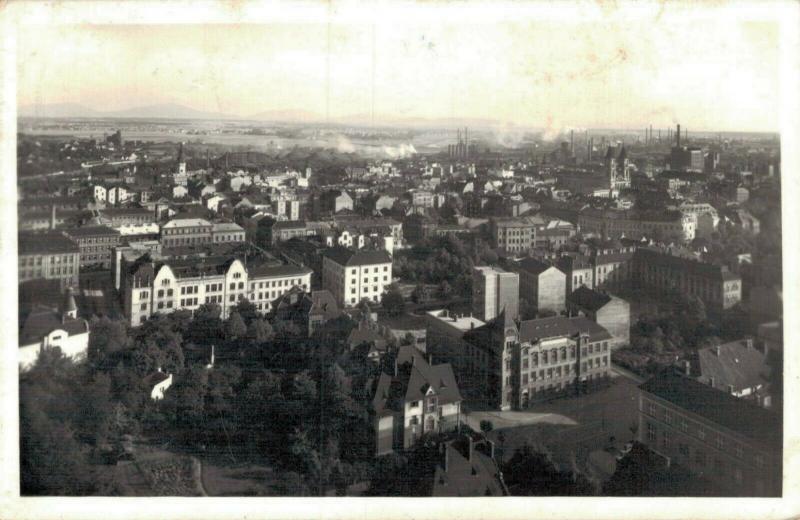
(247, 311)
(444, 290)
(393, 301)
(486, 426)
(530, 473)
(259, 331)
(235, 327)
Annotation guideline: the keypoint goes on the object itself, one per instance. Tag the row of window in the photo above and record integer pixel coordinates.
(37, 260)
(374, 270)
(276, 283)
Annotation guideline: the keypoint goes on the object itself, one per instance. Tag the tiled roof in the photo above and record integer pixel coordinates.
(276, 271)
(534, 266)
(186, 222)
(465, 477)
(415, 377)
(733, 364)
(41, 323)
(589, 299)
(90, 231)
(738, 415)
(347, 257)
(45, 242)
(561, 326)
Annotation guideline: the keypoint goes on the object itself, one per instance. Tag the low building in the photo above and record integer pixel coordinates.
(608, 311)
(117, 217)
(306, 310)
(355, 275)
(46, 329)
(735, 444)
(50, 255)
(614, 224)
(736, 367)
(467, 468)
(95, 244)
(419, 398)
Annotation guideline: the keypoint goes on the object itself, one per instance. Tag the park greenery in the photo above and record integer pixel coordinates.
(296, 405)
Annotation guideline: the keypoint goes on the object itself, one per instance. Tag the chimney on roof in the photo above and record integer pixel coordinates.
(711, 381)
(687, 368)
(748, 342)
(717, 350)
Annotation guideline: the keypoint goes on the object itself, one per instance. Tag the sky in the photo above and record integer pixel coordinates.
(606, 73)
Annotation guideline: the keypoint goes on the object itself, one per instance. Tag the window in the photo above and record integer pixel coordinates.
(651, 432)
(414, 404)
(144, 307)
(684, 425)
(720, 442)
(700, 458)
(665, 439)
(701, 433)
(431, 404)
(667, 417)
(683, 449)
(233, 287)
(759, 461)
(739, 451)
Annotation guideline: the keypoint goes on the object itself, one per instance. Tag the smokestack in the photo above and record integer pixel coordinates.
(572, 142)
(53, 217)
(678, 133)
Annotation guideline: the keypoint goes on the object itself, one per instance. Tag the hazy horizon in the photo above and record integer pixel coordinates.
(706, 76)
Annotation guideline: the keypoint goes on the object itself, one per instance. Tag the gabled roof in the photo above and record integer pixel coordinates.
(733, 364)
(414, 379)
(42, 322)
(534, 266)
(588, 299)
(465, 477)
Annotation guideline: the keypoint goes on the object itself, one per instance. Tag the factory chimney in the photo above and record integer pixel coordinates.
(678, 142)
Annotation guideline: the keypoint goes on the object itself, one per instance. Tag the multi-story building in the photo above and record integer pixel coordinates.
(445, 341)
(613, 224)
(733, 443)
(50, 255)
(95, 244)
(355, 275)
(608, 311)
(419, 398)
(186, 232)
(612, 267)
(226, 233)
(515, 235)
(494, 291)
(334, 201)
(578, 269)
(540, 358)
(152, 287)
(542, 285)
(118, 217)
(267, 283)
(715, 285)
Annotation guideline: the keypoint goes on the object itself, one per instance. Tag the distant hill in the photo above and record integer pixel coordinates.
(161, 111)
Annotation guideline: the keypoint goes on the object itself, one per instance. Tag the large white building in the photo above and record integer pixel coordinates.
(355, 275)
(150, 287)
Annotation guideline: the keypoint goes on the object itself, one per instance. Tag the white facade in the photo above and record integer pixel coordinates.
(265, 289)
(73, 346)
(350, 284)
(158, 390)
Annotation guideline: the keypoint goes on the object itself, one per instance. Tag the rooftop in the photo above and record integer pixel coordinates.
(738, 415)
(462, 323)
(348, 257)
(90, 231)
(45, 242)
(559, 326)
